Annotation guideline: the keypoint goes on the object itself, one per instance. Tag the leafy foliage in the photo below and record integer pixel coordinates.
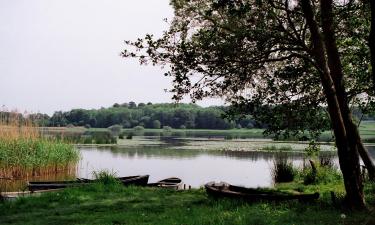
(257, 56)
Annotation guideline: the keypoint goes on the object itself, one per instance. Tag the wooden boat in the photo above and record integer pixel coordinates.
(223, 189)
(8, 196)
(47, 185)
(170, 183)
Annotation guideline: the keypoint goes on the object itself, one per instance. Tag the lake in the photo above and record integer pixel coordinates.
(194, 160)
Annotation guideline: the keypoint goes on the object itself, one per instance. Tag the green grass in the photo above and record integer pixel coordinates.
(113, 204)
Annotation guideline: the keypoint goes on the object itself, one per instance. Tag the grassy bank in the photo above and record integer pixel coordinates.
(113, 204)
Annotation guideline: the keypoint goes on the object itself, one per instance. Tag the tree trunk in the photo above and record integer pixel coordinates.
(371, 41)
(348, 157)
(335, 67)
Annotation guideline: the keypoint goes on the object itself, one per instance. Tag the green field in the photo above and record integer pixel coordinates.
(112, 204)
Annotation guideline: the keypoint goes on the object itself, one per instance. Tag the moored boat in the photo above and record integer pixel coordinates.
(48, 185)
(8, 196)
(224, 189)
(170, 183)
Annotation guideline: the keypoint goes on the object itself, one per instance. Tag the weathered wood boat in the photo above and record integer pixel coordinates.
(170, 183)
(8, 196)
(47, 185)
(223, 189)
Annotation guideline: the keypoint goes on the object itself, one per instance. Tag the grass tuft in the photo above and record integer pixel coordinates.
(106, 177)
(283, 170)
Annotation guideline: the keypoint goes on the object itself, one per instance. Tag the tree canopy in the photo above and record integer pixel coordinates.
(257, 53)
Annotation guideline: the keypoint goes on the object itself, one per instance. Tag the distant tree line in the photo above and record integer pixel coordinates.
(149, 115)
(181, 116)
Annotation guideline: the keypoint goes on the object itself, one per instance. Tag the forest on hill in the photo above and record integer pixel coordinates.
(129, 115)
(179, 116)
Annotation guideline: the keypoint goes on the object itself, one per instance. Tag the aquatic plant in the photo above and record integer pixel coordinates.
(277, 148)
(25, 153)
(283, 170)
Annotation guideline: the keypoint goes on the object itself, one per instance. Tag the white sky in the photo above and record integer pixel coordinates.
(64, 54)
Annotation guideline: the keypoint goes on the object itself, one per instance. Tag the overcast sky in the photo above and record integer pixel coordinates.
(64, 54)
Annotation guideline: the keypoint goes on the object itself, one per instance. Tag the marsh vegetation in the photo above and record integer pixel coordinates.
(25, 153)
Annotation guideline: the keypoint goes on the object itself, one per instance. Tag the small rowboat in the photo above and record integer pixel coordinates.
(8, 196)
(169, 183)
(223, 189)
(48, 185)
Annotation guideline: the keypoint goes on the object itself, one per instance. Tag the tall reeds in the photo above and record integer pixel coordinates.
(25, 153)
(282, 170)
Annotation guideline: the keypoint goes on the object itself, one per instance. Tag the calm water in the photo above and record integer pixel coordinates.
(194, 167)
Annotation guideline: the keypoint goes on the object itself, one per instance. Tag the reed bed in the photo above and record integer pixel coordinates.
(25, 153)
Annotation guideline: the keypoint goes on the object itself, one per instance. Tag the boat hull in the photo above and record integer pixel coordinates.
(48, 185)
(219, 190)
(169, 183)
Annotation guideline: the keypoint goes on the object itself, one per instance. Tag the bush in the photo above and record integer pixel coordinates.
(103, 137)
(250, 125)
(167, 129)
(138, 128)
(87, 140)
(321, 174)
(313, 149)
(156, 124)
(115, 129)
(130, 136)
(283, 170)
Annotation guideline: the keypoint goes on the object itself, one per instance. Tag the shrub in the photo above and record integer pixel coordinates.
(88, 140)
(130, 136)
(103, 137)
(321, 174)
(138, 128)
(156, 124)
(313, 149)
(250, 125)
(167, 129)
(115, 129)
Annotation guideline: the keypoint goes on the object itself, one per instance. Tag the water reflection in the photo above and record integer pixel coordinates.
(193, 166)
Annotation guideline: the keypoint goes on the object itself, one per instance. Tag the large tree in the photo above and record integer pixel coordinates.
(269, 53)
